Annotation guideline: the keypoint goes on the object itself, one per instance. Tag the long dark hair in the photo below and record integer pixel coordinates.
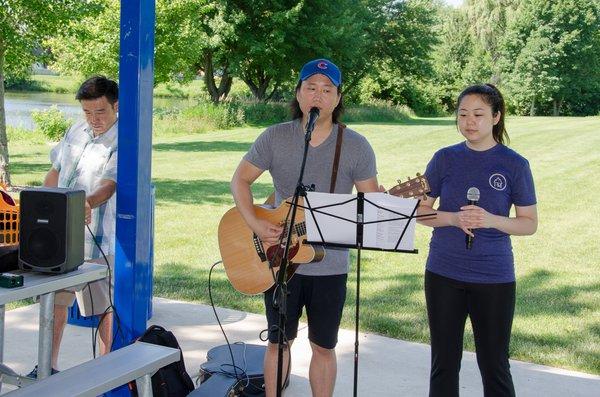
(492, 96)
(297, 112)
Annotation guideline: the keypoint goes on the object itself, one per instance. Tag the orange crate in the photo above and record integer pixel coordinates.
(9, 220)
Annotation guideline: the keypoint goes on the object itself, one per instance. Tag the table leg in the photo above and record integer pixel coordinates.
(46, 334)
(144, 386)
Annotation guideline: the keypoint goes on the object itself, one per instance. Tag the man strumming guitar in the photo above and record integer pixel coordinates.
(319, 287)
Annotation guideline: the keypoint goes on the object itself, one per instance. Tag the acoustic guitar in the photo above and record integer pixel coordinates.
(252, 266)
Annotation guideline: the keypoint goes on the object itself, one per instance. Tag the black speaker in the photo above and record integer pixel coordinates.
(52, 224)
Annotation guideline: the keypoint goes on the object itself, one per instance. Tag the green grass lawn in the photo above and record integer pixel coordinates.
(557, 320)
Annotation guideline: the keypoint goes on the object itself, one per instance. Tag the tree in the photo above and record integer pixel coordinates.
(452, 55)
(401, 41)
(23, 26)
(269, 40)
(552, 56)
(182, 41)
(487, 23)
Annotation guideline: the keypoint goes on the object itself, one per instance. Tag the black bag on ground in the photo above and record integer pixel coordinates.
(172, 380)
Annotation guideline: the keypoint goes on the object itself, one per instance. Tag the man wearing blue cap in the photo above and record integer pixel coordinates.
(319, 287)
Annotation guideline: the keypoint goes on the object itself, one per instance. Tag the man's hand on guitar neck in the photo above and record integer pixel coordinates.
(266, 231)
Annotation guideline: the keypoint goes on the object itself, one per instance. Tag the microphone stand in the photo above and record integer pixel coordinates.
(281, 291)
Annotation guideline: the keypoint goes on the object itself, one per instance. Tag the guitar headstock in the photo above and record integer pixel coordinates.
(413, 187)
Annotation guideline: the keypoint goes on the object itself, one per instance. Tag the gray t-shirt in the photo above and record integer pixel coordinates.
(279, 150)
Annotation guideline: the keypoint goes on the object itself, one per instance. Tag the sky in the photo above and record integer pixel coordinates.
(454, 3)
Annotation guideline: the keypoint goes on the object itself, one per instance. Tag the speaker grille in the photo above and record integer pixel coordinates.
(43, 245)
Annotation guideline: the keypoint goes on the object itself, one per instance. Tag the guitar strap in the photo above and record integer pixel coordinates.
(336, 157)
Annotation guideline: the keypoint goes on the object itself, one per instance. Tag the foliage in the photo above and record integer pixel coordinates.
(45, 83)
(222, 116)
(23, 25)
(544, 56)
(208, 116)
(261, 113)
(377, 112)
(267, 41)
(468, 49)
(51, 122)
(487, 25)
(91, 46)
(552, 56)
(94, 46)
(400, 42)
(19, 134)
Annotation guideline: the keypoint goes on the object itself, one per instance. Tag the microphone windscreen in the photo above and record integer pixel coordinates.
(473, 194)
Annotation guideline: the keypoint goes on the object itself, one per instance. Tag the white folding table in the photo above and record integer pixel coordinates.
(42, 285)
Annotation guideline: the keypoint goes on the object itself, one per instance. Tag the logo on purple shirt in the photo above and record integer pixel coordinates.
(498, 181)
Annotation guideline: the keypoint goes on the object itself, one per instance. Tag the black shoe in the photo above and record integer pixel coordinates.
(34, 372)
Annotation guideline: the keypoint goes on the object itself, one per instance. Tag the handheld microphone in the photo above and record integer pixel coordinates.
(313, 115)
(472, 199)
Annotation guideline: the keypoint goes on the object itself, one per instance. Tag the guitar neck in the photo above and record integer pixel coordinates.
(300, 228)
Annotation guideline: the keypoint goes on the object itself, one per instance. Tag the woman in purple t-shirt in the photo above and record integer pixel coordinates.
(470, 267)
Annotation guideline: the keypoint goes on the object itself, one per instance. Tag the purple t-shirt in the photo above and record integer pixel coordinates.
(504, 178)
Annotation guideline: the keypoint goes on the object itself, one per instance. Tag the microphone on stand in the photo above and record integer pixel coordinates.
(472, 199)
(313, 115)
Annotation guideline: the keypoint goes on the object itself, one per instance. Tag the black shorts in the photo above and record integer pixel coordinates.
(323, 297)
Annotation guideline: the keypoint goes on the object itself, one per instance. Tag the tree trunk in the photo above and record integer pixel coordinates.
(270, 96)
(219, 93)
(225, 84)
(4, 170)
(532, 108)
(259, 88)
(556, 105)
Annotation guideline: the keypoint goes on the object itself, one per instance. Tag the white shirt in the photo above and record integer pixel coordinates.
(82, 161)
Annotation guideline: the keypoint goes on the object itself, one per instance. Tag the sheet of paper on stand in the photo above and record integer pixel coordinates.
(382, 235)
(338, 231)
(385, 235)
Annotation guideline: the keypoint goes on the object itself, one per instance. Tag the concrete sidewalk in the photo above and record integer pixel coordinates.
(387, 367)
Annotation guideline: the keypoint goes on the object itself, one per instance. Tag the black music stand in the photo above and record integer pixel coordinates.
(360, 222)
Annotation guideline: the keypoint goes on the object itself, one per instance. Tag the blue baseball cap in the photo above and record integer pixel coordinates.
(324, 67)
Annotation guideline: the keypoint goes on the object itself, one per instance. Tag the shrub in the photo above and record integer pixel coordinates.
(21, 134)
(261, 113)
(222, 116)
(377, 112)
(51, 122)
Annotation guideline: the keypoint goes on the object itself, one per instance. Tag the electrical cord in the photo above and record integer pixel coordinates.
(212, 304)
(243, 374)
(111, 307)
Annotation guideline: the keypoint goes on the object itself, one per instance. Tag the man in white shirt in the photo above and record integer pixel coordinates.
(86, 159)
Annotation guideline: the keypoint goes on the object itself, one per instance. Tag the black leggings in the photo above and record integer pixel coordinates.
(491, 308)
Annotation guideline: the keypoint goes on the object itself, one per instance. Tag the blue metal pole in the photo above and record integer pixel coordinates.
(133, 248)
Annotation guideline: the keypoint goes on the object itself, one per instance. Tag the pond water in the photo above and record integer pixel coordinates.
(19, 106)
